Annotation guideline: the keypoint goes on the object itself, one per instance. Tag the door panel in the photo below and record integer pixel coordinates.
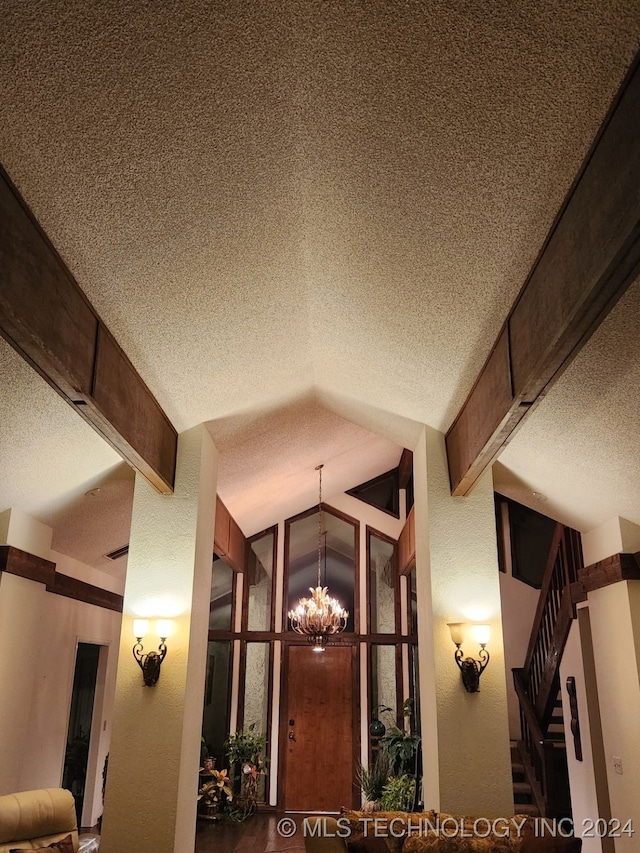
(319, 729)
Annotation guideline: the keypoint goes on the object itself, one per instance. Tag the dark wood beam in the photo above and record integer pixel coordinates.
(405, 468)
(229, 541)
(14, 561)
(619, 567)
(46, 318)
(590, 257)
(86, 592)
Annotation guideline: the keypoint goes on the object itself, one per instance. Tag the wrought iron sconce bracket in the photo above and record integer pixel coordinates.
(149, 662)
(471, 669)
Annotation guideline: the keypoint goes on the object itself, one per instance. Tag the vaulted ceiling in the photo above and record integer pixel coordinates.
(304, 220)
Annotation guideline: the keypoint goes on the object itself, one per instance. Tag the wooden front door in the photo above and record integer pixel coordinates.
(318, 729)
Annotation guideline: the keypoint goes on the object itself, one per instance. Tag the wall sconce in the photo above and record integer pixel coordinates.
(150, 662)
(470, 668)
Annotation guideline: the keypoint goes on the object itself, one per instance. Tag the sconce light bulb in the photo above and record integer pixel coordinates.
(140, 628)
(481, 634)
(164, 628)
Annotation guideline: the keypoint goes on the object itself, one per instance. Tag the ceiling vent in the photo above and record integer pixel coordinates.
(117, 553)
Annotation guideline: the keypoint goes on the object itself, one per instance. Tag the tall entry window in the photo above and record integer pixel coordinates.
(222, 596)
(382, 584)
(259, 577)
(338, 560)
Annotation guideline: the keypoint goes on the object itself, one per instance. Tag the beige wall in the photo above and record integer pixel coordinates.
(519, 603)
(615, 625)
(587, 778)
(155, 747)
(22, 609)
(614, 536)
(457, 569)
(475, 762)
(39, 633)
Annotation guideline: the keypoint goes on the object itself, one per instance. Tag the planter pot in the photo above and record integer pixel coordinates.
(209, 811)
(377, 729)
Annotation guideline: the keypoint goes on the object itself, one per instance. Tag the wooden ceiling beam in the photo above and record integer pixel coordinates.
(48, 320)
(589, 259)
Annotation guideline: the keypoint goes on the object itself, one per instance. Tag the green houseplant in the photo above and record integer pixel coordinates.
(214, 794)
(373, 779)
(401, 744)
(401, 747)
(397, 794)
(245, 750)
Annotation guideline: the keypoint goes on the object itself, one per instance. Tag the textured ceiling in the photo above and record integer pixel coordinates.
(333, 203)
(284, 447)
(579, 449)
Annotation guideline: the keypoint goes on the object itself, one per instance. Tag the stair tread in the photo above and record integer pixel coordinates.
(522, 787)
(529, 809)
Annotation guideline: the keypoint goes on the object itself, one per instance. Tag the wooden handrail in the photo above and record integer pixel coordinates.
(544, 592)
(537, 682)
(548, 685)
(526, 707)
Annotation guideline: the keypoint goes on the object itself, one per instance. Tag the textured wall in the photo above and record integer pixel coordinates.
(615, 626)
(474, 774)
(519, 603)
(577, 661)
(34, 713)
(156, 730)
(21, 609)
(256, 690)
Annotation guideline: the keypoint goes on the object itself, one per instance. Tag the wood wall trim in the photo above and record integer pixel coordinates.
(13, 561)
(405, 468)
(406, 547)
(590, 257)
(291, 638)
(229, 541)
(49, 321)
(619, 567)
(85, 592)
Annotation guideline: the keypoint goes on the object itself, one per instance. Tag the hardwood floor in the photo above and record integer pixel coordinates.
(258, 834)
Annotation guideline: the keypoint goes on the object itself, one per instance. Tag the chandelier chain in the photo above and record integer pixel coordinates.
(319, 616)
(319, 470)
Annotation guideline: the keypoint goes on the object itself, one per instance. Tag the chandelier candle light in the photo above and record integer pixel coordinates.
(319, 616)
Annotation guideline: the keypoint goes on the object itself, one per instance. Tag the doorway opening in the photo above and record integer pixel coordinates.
(83, 694)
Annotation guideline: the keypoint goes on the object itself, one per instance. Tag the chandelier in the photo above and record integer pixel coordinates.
(320, 615)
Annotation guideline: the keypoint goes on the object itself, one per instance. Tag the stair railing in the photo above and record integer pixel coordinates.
(537, 682)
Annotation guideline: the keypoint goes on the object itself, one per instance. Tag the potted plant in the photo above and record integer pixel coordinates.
(397, 795)
(214, 793)
(245, 750)
(373, 780)
(401, 745)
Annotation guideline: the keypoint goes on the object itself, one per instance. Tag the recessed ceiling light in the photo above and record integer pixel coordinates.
(538, 496)
(92, 492)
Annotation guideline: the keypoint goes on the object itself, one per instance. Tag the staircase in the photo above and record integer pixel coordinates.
(539, 760)
(522, 793)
